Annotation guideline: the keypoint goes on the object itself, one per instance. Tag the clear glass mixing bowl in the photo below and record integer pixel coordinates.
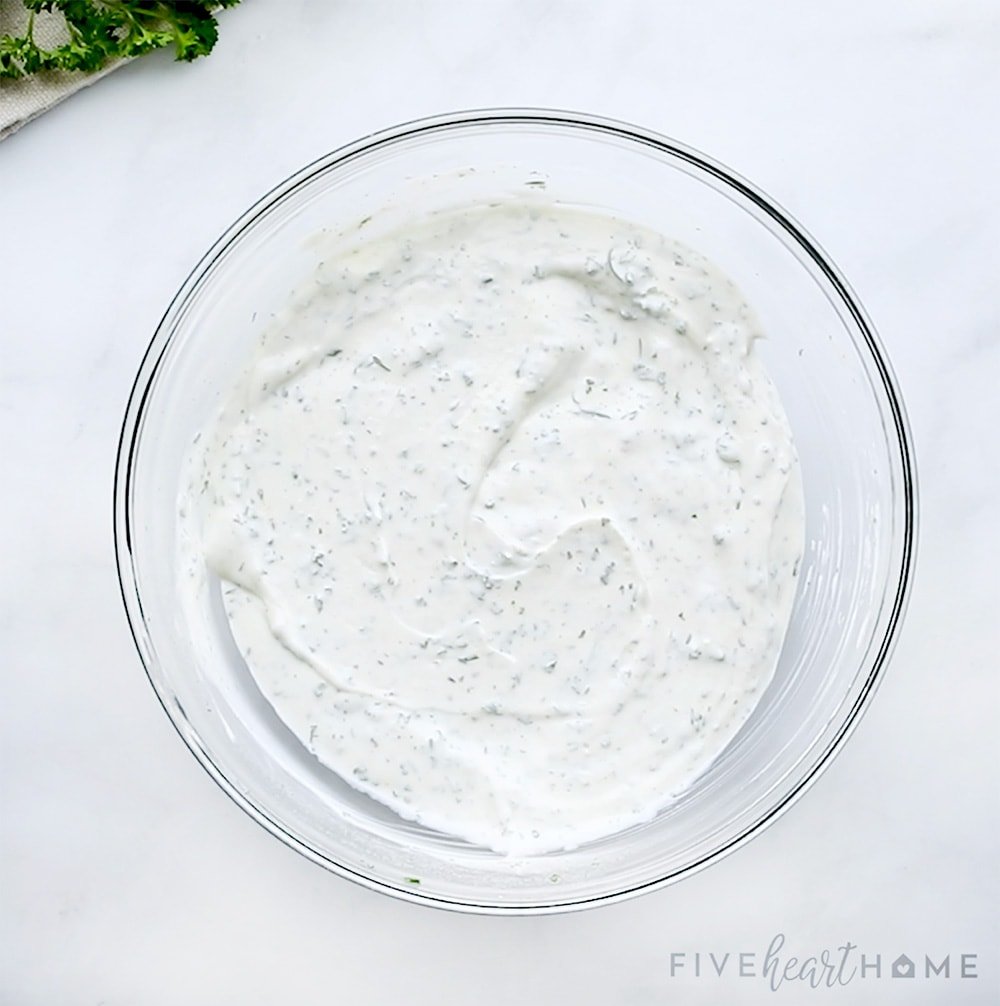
(837, 388)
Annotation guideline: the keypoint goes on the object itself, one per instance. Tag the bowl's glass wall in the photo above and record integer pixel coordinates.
(818, 350)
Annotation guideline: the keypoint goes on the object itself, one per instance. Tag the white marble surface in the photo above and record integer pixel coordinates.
(125, 875)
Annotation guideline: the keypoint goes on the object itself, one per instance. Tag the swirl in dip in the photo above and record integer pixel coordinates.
(507, 517)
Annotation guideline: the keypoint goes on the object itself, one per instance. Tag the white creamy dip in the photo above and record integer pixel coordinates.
(507, 518)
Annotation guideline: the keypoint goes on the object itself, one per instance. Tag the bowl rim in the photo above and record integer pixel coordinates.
(155, 352)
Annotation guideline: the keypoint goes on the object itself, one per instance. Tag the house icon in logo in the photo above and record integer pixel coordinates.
(903, 967)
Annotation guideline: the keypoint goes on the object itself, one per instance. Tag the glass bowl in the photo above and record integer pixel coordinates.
(822, 354)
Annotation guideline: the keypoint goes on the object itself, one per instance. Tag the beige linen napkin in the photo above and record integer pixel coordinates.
(21, 100)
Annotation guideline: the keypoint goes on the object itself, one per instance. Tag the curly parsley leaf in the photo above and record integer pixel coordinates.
(104, 30)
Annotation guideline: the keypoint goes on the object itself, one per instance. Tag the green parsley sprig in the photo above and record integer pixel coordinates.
(104, 30)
